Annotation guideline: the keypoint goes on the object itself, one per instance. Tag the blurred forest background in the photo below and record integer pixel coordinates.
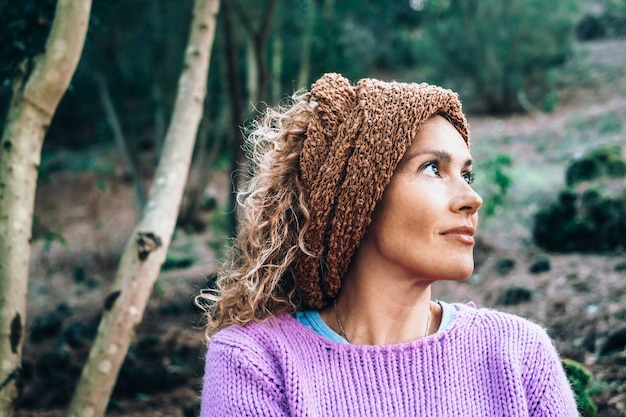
(544, 87)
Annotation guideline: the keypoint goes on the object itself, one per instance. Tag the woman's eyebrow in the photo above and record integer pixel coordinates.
(441, 155)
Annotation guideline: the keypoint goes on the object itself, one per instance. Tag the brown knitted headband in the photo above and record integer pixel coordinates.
(355, 139)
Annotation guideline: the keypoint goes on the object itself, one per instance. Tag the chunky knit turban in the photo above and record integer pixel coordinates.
(355, 139)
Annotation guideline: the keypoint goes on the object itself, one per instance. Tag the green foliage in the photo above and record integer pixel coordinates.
(605, 161)
(580, 379)
(498, 48)
(550, 101)
(181, 254)
(353, 37)
(221, 228)
(96, 160)
(25, 26)
(590, 213)
(495, 181)
(590, 221)
(45, 234)
(615, 17)
(608, 21)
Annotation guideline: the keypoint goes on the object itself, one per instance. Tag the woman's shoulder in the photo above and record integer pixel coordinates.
(493, 315)
(264, 333)
(504, 324)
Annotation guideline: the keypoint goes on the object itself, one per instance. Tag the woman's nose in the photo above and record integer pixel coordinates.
(467, 200)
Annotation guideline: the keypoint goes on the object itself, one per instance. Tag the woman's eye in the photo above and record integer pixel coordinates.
(431, 168)
(469, 177)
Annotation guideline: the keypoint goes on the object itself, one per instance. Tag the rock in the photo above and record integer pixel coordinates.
(190, 409)
(589, 342)
(620, 266)
(143, 378)
(151, 366)
(54, 362)
(505, 265)
(516, 295)
(171, 308)
(189, 357)
(79, 275)
(46, 326)
(616, 342)
(149, 348)
(482, 250)
(540, 264)
(78, 335)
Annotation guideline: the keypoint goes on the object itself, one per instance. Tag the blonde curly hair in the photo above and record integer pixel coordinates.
(319, 166)
(254, 282)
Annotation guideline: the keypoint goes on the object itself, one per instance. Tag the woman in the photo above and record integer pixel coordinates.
(360, 199)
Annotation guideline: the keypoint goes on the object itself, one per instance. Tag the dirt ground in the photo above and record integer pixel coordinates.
(580, 298)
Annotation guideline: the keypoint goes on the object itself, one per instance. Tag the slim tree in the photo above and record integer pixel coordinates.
(146, 249)
(36, 94)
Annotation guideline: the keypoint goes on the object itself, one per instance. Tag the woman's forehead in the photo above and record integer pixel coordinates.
(440, 138)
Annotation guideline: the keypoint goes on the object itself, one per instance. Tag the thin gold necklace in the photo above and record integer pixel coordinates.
(343, 331)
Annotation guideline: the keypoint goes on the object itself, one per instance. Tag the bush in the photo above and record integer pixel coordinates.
(501, 49)
(603, 162)
(495, 182)
(589, 215)
(580, 379)
(609, 21)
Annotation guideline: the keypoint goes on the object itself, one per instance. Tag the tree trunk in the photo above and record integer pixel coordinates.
(236, 109)
(34, 101)
(258, 39)
(156, 89)
(120, 140)
(277, 65)
(307, 44)
(146, 249)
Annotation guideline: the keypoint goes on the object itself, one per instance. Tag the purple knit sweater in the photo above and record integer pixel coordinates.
(485, 364)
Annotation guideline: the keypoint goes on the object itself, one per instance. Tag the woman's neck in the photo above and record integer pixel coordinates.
(378, 310)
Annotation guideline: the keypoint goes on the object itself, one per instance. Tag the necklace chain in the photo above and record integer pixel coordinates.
(343, 331)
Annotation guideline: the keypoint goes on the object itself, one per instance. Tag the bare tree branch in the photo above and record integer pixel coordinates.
(120, 139)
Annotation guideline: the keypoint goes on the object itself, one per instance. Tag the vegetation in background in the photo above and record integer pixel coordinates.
(25, 27)
(496, 52)
(182, 253)
(45, 234)
(602, 162)
(492, 53)
(580, 379)
(138, 46)
(495, 181)
(606, 19)
(590, 213)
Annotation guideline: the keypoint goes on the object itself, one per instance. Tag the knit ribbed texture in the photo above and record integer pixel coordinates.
(354, 141)
(486, 364)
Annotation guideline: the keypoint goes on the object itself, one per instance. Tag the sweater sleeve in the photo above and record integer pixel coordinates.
(240, 382)
(551, 393)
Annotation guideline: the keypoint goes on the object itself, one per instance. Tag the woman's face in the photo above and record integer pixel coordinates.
(424, 225)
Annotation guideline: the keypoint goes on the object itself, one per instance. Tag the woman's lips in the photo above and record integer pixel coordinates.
(463, 234)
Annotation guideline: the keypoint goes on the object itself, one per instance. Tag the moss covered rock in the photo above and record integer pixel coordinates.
(580, 379)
